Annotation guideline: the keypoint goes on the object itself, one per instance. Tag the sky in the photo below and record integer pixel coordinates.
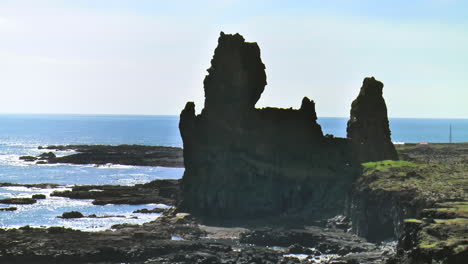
(150, 57)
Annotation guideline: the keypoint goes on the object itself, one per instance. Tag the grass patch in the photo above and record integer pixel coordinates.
(455, 221)
(427, 245)
(412, 220)
(386, 165)
(428, 173)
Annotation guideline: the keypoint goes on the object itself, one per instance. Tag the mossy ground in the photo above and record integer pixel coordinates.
(388, 165)
(436, 175)
(450, 232)
(433, 173)
(460, 208)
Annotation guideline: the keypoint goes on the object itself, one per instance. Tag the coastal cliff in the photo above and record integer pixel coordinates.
(421, 200)
(246, 162)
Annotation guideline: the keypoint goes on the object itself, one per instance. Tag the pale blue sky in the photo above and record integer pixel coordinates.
(150, 57)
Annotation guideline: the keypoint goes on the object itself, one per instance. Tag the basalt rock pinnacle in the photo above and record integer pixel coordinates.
(241, 161)
(368, 127)
(236, 77)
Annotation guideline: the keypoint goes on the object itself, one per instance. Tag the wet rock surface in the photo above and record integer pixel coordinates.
(159, 191)
(19, 200)
(327, 241)
(72, 214)
(6, 209)
(339, 222)
(39, 196)
(138, 155)
(38, 185)
(152, 243)
(150, 211)
(147, 243)
(176, 237)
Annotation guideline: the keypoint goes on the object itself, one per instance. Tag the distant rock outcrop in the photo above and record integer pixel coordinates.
(241, 161)
(368, 127)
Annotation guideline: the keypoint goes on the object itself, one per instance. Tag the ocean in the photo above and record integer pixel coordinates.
(21, 134)
(409, 130)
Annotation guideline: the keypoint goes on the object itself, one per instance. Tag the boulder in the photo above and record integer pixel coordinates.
(72, 214)
(38, 196)
(47, 156)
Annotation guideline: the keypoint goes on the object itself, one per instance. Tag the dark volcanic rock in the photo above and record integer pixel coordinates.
(368, 127)
(38, 196)
(339, 222)
(62, 245)
(138, 155)
(148, 243)
(28, 158)
(242, 162)
(38, 185)
(214, 254)
(72, 214)
(8, 209)
(298, 249)
(17, 201)
(158, 191)
(236, 78)
(50, 156)
(150, 211)
(330, 242)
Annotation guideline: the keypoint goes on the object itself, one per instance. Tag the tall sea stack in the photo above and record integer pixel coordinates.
(368, 127)
(246, 162)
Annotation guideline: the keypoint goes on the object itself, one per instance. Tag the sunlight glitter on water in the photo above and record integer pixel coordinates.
(44, 213)
(21, 134)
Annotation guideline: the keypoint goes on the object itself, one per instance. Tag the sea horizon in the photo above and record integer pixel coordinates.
(158, 129)
(173, 115)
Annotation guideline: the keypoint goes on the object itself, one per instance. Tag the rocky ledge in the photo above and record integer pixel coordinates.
(138, 155)
(421, 200)
(179, 238)
(158, 191)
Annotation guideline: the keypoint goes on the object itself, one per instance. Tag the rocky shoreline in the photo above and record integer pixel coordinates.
(159, 191)
(178, 238)
(267, 186)
(136, 155)
(424, 226)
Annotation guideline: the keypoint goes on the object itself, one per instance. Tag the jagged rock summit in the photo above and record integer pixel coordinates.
(241, 161)
(236, 77)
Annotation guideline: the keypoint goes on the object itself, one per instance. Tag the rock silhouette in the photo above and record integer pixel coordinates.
(241, 161)
(368, 128)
